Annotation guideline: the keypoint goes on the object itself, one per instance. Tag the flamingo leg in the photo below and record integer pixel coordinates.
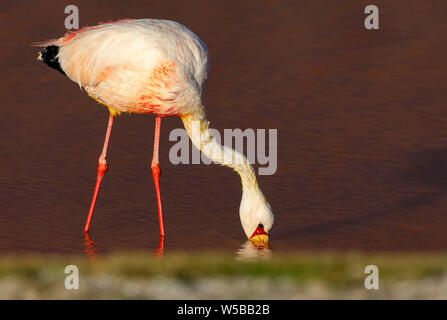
(156, 173)
(102, 169)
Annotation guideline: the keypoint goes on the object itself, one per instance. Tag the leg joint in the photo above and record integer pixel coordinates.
(102, 167)
(156, 171)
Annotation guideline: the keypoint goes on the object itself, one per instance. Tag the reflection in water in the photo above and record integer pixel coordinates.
(161, 247)
(253, 250)
(249, 250)
(90, 249)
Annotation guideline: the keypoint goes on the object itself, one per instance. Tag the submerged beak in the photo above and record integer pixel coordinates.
(259, 236)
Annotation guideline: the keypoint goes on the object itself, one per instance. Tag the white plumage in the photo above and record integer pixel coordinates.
(160, 67)
(121, 63)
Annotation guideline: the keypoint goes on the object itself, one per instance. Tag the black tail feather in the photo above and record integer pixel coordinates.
(49, 56)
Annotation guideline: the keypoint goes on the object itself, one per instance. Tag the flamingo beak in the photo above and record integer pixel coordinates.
(259, 236)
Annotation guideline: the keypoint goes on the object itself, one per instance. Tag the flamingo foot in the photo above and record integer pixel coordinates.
(102, 169)
(156, 173)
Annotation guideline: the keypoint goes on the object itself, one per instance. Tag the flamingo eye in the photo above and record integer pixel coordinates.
(260, 225)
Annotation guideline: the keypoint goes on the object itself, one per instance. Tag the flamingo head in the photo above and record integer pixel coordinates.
(256, 216)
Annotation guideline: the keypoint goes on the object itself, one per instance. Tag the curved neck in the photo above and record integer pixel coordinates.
(198, 130)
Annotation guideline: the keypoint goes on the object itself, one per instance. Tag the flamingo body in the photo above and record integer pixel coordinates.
(160, 67)
(137, 66)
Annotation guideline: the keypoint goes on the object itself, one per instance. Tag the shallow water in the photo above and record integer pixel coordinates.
(361, 119)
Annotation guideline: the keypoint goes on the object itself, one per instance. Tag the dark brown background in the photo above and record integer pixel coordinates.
(361, 118)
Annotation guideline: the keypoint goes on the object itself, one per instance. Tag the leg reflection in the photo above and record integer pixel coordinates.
(161, 248)
(90, 249)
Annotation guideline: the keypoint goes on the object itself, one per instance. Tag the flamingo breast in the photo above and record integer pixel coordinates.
(126, 89)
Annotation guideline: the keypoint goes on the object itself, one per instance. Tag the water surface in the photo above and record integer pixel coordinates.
(361, 118)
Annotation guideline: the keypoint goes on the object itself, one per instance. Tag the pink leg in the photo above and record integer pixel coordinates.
(156, 173)
(102, 169)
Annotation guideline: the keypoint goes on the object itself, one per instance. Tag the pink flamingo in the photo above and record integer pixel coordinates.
(160, 67)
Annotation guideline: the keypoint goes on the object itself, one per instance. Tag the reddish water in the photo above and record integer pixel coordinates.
(361, 118)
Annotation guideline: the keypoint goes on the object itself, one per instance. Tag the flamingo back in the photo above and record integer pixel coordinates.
(141, 66)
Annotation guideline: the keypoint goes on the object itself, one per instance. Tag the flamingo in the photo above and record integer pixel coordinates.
(160, 67)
